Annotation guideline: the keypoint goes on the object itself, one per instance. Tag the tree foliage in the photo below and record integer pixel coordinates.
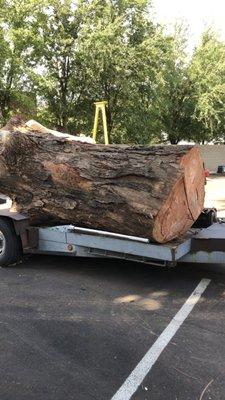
(207, 74)
(60, 56)
(15, 86)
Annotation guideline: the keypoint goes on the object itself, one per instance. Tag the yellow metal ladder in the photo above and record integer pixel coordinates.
(101, 106)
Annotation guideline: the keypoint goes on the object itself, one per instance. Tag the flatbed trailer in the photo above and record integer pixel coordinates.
(206, 245)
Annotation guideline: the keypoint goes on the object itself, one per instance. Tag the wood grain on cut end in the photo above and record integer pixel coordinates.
(194, 179)
(185, 202)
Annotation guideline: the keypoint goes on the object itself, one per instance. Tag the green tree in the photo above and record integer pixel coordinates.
(207, 74)
(60, 56)
(126, 52)
(16, 90)
(53, 61)
(175, 102)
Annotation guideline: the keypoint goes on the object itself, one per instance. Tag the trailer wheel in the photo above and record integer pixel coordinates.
(10, 244)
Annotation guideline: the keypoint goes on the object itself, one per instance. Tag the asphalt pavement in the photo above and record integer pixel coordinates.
(75, 329)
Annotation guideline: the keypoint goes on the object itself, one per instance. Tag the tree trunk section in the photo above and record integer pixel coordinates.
(153, 192)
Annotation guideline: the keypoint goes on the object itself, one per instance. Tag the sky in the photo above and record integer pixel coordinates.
(198, 14)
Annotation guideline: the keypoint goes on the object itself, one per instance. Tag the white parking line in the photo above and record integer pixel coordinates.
(137, 376)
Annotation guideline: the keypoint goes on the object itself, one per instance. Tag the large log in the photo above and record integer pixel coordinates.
(154, 192)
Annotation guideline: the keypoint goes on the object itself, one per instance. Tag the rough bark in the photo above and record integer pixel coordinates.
(154, 192)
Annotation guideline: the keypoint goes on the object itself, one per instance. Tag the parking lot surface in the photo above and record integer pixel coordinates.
(76, 328)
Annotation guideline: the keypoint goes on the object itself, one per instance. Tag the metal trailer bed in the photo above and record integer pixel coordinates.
(200, 246)
(205, 245)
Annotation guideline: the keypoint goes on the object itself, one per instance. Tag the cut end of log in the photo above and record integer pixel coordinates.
(185, 202)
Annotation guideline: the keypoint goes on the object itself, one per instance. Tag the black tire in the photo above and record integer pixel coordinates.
(10, 244)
